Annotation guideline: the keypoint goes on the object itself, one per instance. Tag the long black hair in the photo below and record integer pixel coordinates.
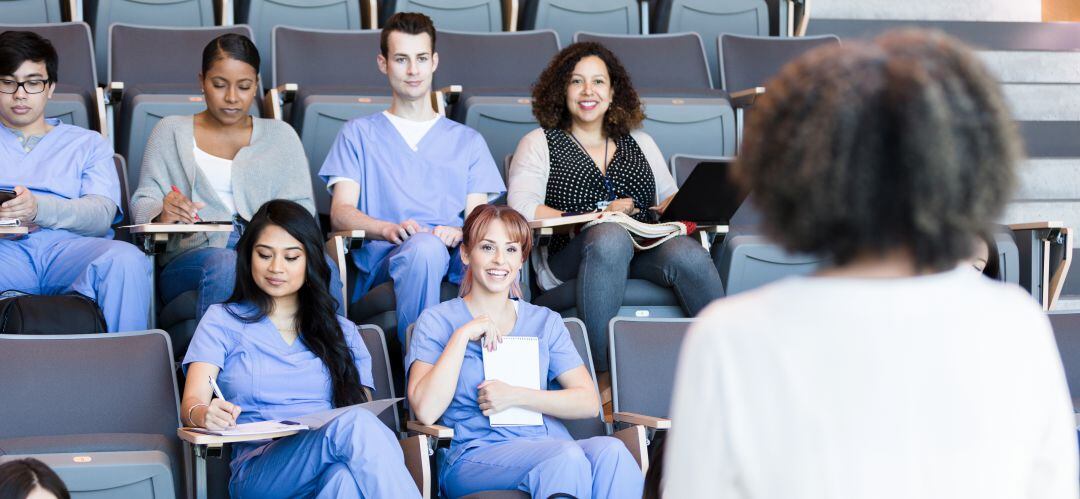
(20, 477)
(316, 319)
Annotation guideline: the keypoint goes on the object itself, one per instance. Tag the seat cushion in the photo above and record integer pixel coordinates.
(639, 293)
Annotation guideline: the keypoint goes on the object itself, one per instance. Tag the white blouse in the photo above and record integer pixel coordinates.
(219, 172)
(941, 386)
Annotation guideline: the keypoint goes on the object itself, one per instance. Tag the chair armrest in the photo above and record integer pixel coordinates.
(435, 431)
(555, 225)
(195, 438)
(634, 440)
(510, 14)
(337, 246)
(14, 231)
(224, 12)
(714, 229)
(1050, 224)
(417, 461)
(115, 92)
(276, 97)
(1057, 279)
(155, 234)
(369, 14)
(746, 98)
(99, 110)
(642, 420)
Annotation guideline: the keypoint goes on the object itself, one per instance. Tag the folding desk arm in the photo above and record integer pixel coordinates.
(338, 245)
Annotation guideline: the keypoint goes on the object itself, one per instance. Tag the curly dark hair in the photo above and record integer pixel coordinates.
(864, 148)
(549, 91)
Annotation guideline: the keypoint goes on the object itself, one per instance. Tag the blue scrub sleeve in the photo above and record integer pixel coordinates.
(345, 155)
(483, 173)
(429, 338)
(360, 353)
(212, 342)
(563, 356)
(99, 175)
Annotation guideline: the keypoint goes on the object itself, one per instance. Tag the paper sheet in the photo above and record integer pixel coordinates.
(307, 422)
(516, 362)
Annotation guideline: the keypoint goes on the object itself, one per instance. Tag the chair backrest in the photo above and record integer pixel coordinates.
(155, 55)
(73, 49)
(644, 353)
(1067, 333)
(503, 60)
(668, 61)
(590, 427)
(749, 61)
(682, 165)
(175, 13)
(710, 19)
(375, 341)
(31, 11)
(308, 56)
(460, 15)
(264, 15)
(570, 16)
(125, 200)
(79, 384)
(748, 259)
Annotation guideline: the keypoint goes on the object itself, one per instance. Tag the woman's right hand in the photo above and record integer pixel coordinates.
(484, 328)
(622, 205)
(220, 415)
(177, 208)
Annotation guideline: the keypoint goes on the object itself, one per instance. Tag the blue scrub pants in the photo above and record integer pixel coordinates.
(115, 274)
(212, 271)
(353, 456)
(598, 467)
(417, 267)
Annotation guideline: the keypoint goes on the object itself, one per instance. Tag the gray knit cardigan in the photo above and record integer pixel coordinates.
(273, 166)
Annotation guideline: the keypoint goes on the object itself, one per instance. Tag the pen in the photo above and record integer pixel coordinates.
(176, 190)
(217, 390)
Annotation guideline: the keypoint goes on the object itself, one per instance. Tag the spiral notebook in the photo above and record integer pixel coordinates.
(515, 362)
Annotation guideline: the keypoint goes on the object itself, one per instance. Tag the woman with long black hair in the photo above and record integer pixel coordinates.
(277, 350)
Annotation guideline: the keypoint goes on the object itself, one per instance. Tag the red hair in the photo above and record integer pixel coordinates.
(477, 224)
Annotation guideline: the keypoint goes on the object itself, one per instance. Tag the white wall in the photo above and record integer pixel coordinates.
(939, 10)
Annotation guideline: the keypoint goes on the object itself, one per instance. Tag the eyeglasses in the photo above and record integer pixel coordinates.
(31, 86)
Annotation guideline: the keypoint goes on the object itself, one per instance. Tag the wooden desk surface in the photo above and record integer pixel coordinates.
(13, 231)
(197, 438)
(178, 228)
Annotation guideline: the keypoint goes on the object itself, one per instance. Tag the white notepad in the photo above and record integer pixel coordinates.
(516, 362)
(312, 421)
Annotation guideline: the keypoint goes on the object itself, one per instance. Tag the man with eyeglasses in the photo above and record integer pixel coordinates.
(66, 191)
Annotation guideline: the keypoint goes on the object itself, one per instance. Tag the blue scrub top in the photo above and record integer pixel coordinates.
(428, 185)
(471, 427)
(68, 163)
(268, 378)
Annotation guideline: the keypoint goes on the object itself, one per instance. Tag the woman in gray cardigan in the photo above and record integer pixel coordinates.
(220, 164)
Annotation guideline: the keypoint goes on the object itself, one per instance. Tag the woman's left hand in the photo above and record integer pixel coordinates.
(495, 396)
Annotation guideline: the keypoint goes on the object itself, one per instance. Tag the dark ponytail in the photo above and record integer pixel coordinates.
(231, 46)
(316, 319)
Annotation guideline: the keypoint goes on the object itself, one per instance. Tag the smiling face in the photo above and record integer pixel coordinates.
(589, 92)
(409, 65)
(278, 263)
(494, 260)
(229, 86)
(22, 110)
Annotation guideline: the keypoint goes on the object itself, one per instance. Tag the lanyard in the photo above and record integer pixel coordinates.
(603, 175)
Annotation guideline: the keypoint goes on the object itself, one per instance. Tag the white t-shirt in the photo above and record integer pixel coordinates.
(940, 386)
(412, 131)
(219, 172)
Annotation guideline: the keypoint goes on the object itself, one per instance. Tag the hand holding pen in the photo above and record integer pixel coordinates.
(177, 208)
(220, 414)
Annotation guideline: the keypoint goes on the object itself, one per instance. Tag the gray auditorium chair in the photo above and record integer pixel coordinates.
(77, 99)
(747, 62)
(685, 115)
(711, 18)
(1067, 333)
(496, 97)
(644, 353)
(153, 73)
(102, 410)
(457, 15)
(747, 259)
(174, 13)
(264, 15)
(31, 11)
(567, 17)
(324, 78)
(633, 436)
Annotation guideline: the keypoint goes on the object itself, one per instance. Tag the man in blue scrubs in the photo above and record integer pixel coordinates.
(67, 193)
(408, 177)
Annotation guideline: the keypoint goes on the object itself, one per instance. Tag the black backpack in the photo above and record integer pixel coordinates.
(73, 313)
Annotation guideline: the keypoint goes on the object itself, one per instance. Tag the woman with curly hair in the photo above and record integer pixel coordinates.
(896, 372)
(588, 156)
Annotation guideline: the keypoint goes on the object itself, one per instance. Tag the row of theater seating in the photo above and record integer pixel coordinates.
(566, 17)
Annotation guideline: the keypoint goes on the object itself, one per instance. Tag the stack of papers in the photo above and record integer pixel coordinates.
(517, 363)
(308, 422)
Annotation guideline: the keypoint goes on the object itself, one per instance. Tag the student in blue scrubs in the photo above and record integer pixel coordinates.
(408, 177)
(446, 382)
(68, 195)
(278, 351)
